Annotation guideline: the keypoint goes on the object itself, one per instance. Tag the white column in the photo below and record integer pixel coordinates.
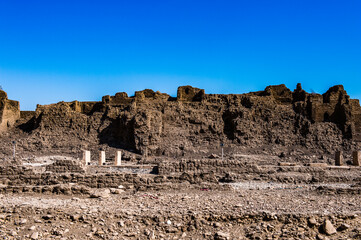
(118, 158)
(86, 157)
(101, 158)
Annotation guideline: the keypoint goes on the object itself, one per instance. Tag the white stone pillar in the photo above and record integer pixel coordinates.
(118, 158)
(102, 158)
(86, 157)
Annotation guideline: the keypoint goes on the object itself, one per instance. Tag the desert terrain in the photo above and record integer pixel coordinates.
(273, 164)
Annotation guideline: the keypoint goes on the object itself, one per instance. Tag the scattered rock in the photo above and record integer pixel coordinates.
(217, 225)
(116, 190)
(100, 193)
(213, 156)
(34, 235)
(221, 236)
(47, 217)
(32, 228)
(312, 221)
(75, 217)
(23, 221)
(328, 228)
(321, 237)
(343, 227)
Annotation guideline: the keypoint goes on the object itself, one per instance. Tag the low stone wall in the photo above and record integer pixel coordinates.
(236, 170)
(191, 172)
(7, 171)
(65, 166)
(208, 165)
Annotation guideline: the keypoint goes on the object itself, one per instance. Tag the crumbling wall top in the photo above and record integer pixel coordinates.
(3, 95)
(299, 94)
(189, 93)
(151, 95)
(280, 93)
(336, 94)
(9, 111)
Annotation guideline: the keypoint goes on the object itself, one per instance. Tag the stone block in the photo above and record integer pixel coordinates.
(102, 158)
(118, 158)
(9, 111)
(356, 158)
(86, 157)
(286, 164)
(189, 93)
(338, 158)
(318, 164)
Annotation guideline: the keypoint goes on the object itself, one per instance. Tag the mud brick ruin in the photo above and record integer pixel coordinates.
(158, 125)
(176, 126)
(161, 127)
(9, 112)
(188, 163)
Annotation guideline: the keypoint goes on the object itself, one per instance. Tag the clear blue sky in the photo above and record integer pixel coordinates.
(65, 50)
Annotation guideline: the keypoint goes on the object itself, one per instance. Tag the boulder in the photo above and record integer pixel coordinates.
(328, 228)
(100, 193)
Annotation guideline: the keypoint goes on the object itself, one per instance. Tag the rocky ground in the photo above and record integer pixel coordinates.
(248, 210)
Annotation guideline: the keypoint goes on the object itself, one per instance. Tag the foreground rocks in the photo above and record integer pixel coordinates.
(245, 213)
(328, 228)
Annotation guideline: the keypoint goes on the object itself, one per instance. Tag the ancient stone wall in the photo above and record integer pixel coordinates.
(121, 98)
(65, 166)
(118, 99)
(9, 111)
(155, 124)
(208, 165)
(27, 115)
(189, 93)
(20, 178)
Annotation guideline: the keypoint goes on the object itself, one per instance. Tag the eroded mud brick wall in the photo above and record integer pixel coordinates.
(9, 111)
(157, 124)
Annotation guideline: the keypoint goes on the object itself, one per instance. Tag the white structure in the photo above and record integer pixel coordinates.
(86, 157)
(118, 158)
(102, 158)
